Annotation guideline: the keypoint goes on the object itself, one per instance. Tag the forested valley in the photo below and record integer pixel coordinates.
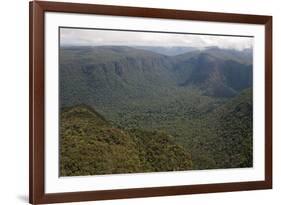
(146, 109)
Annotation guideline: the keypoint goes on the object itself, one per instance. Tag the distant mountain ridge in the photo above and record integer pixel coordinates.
(119, 71)
(168, 50)
(217, 77)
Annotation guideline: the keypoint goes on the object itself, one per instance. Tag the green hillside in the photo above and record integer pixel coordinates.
(144, 111)
(217, 72)
(88, 73)
(223, 138)
(100, 75)
(234, 131)
(89, 145)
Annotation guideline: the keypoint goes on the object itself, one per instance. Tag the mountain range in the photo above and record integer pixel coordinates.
(168, 51)
(198, 101)
(119, 71)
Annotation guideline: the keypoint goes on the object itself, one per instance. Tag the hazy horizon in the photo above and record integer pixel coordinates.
(96, 37)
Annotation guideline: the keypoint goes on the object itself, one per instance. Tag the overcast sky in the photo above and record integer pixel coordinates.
(92, 37)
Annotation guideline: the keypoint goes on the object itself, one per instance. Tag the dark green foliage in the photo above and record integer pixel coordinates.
(161, 113)
(234, 125)
(89, 145)
(223, 137)
(159, 152)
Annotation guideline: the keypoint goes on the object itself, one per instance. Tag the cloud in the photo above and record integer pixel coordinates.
(96, 37)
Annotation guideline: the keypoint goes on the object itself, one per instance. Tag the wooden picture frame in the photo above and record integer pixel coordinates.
(37, 193)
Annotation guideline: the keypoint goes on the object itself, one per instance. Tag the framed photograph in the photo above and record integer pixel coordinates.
(139, 102)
